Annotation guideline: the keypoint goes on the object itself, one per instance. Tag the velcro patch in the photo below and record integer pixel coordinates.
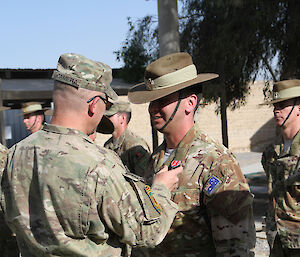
(212, 184)
(152, 199)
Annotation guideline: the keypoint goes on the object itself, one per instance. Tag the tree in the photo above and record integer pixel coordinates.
(238, 39)
(139, 49)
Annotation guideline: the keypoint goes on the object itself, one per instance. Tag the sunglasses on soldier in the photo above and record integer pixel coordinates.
(105, 100)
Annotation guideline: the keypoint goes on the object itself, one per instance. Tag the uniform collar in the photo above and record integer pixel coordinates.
(183, 148)
(119, 141)
(65, 131)
(294, 149)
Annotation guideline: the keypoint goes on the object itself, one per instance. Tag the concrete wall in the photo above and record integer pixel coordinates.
(250, 127)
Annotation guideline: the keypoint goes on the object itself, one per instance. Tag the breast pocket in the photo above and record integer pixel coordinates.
(289, 177)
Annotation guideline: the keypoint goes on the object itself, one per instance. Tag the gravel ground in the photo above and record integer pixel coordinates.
(257, 182)
(262, 247)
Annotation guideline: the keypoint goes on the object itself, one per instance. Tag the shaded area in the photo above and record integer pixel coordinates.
(258, 186)
(263, 136)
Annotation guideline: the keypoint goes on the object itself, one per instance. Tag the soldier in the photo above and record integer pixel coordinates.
(215, 215)
(8, 243)
(63, 195)
(281, 163)
(132, 149)
(34, 116)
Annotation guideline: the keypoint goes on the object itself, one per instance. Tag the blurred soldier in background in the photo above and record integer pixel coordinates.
(8, 243)
(215, 215)
(281, 162)
(62, 195)
(34, 116)
(132, 149)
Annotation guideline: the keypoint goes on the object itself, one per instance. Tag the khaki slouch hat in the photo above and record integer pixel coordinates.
(167, 75)
(80, 72)
(34, 107)
(284, 90)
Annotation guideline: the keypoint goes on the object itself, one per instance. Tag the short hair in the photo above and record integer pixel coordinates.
(127, 115)
(42, 113)
(194, 89)
(72, 97)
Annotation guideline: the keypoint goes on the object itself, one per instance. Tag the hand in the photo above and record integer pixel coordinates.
(168, 177)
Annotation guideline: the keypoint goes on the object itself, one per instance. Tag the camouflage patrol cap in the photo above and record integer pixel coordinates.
(81, 72)
(284, 90)
(120, 106)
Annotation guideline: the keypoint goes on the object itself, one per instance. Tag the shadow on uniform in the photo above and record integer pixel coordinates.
(263, 136)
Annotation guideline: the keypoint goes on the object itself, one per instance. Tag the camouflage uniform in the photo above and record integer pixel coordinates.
(132, 149)
(8, 242)
(65, 196)
(215, 215)
(282, 170)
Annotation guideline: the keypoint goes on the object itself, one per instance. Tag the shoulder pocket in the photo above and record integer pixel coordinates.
(151, 208)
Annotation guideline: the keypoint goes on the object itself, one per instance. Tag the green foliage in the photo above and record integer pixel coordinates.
(139, 49)
(224, 37)
(238, 39)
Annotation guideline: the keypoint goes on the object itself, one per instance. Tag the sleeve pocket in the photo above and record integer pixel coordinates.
(150, 206)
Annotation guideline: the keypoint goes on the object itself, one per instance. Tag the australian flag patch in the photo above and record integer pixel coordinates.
(212, 184)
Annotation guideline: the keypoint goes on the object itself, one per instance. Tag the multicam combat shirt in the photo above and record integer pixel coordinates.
(63, 195)
(8, 243)
(215, 215)
(133, 151)
(283, 173)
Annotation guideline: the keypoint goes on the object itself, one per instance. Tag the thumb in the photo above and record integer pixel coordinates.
(178, 170)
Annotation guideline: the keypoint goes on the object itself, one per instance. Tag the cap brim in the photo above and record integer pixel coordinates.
(140, 94)
(4, 108)
(105, 126)
(111, 93)
(112, 111)
(276, 101)
(46, 111)
(49, 112)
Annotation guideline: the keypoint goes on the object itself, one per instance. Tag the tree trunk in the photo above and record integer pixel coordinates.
(2, 125)
(224, 117)
(168, 37)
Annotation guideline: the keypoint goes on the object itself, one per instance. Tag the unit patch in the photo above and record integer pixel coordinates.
(174, 164)
(212, 184)
(152, 199)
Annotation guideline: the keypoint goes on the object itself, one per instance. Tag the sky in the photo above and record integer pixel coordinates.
(34, 33)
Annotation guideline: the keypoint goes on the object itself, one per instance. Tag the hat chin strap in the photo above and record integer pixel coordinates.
(33, 123)
(173, 114)
(294, 103)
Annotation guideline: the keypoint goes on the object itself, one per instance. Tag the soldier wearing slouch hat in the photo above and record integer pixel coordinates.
(34, 115)
(281, 162)
(215, 216)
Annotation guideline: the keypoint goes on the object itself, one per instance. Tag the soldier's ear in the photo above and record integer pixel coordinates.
(191, 103)
(122, 118)
(92, 106)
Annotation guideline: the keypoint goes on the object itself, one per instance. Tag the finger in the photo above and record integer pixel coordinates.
(178, 170)
(163, 169)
